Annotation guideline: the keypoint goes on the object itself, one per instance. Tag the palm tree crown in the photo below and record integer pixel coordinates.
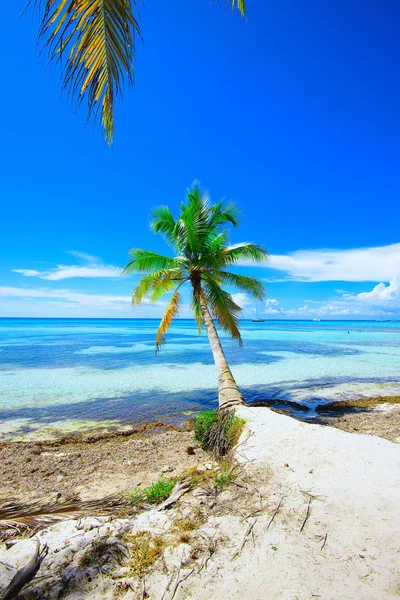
(97, 40)
(203, 257)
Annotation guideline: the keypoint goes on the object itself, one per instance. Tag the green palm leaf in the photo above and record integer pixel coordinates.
(193, 226)
(245, 252)
(163, 222)
(143, 260)
(225, 213)
(250, 285)
(154, 282)
(223, 308)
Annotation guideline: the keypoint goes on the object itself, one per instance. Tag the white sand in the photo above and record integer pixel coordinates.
(357, 478)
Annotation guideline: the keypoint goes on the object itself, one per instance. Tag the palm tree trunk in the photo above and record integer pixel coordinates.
(229, 394)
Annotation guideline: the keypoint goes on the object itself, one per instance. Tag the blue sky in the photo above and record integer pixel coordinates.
(293, 113)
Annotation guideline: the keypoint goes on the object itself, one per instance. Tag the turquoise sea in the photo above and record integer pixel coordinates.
(73, 374)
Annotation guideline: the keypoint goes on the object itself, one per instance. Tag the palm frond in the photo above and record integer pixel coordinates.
(163, 222)
(163, 287)
(143, 260)
(152, 281)
(245, 252)
(212, 256)
(170, 313)
(95, 39)
(225, 213)
(46, 513)
(223, 308)
(250, 285)
(240, 4)
(193, 225)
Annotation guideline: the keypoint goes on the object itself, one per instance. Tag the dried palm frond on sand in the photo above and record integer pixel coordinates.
(45, 513)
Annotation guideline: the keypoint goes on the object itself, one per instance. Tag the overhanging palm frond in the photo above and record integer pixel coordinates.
(143, 260)
(242, 252)
(240, 4)
(223, 308)
(170, 313)
(96, 39)
(250, 285)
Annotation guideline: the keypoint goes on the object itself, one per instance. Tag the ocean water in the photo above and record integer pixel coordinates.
(60, 375)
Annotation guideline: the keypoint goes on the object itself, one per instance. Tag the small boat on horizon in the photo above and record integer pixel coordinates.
(257, 318)
(316, 320)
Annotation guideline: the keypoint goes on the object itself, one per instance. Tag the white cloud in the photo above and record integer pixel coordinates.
(388, 295)
(241, 299)
(83, 256)
(379, 263)
(27, 272)
(63, 302)
(383, 301)
(92, 269)
(271, 302)
(72, 271)
(71, 296)
(272, 307)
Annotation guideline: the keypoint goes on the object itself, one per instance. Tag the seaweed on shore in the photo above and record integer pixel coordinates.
(352, 405)
(99, 436)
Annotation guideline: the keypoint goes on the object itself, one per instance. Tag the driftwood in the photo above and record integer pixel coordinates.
(275, 513)
(179, 580)
(167, 587)
(26, 574)
(177, 492)
(249, 531)
(307, 514)
(211, 548)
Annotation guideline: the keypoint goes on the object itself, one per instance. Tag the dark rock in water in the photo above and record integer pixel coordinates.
(280, 404)
(333, 408)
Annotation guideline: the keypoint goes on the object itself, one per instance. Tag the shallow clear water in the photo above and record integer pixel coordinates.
(65, 374)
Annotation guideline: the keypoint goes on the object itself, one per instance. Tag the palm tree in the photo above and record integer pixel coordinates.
(199, 241)
(97, 40)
